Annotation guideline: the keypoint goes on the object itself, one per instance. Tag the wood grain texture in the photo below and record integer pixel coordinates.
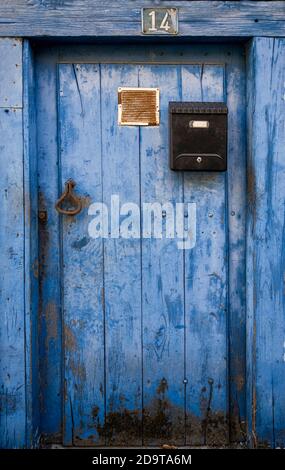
(162, 278)
(91, 18)
(236, 215)
(31, 302)
(265, 243)
(50, 321)
(122, 266)
(12, 326)
(82, 257)
(206, 283)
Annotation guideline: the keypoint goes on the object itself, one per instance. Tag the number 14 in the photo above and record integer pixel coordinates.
(163, 25)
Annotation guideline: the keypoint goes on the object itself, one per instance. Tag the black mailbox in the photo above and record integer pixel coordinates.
(198, 136)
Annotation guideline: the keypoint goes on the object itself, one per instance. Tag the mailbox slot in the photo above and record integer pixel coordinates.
(198, 136)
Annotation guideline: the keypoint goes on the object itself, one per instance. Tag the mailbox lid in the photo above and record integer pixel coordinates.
(195, 107)
(198, 136)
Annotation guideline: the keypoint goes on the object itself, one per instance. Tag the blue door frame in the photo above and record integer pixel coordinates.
(265, 324)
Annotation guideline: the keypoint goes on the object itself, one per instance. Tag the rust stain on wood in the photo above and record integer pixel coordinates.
(35, 268)
(79, 371)
(239, 382)
(251, 192)
(254, 438)
(70, 340)
(51, 314)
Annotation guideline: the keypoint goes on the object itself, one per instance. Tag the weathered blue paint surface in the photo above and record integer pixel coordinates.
(19, 248)
(60, 401)
(215, 274)
(82, 269)
(265, 256)
(117, 18)
(50, 348)
(12, 325)
(163, 321)
(31, 301)
(139, 316)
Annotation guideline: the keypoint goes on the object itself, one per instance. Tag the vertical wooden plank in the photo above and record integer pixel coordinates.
(250, 292)
(31, 246)
(122, 264)
(162, 278)
(265, 242)
(50, 328)
(236, 206)
(82, 256)
(206, 284)
(12, 327)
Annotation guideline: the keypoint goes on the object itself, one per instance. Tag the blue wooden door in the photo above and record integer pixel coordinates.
(141, 343)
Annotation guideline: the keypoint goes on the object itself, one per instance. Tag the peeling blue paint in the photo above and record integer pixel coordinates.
(143, 324)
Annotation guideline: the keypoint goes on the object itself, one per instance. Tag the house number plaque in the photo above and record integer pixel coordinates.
(159, 21)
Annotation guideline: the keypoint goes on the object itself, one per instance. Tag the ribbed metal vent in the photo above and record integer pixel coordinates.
(138, 106)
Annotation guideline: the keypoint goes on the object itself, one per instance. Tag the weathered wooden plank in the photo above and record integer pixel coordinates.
(206, 284)
(30, 190)
(236, 208)
(250, 292)
(162, 277)
(50, 321)
(122, 267)
(89, 18)
(265, 242)
(12, 326)
(82, 256)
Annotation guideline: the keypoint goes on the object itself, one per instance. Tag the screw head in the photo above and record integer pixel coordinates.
(199, 159)
(42, 216)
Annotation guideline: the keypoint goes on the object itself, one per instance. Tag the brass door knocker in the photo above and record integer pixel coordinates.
(68, 195)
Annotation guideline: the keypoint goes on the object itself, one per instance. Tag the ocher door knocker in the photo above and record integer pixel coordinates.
(69, 195)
